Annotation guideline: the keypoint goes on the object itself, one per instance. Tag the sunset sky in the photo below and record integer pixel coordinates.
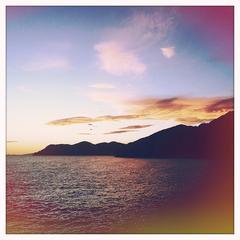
(102, 74)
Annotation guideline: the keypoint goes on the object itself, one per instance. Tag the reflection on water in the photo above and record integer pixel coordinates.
(89, 194)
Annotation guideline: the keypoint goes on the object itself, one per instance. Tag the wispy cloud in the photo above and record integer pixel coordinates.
(168, 52)
(46, 64)
(71, 121)
(116, 60)
(84, 133)
(131, 128)
(81, 120)
(183, 110)
(144, 28)
(102, 86)
(119, 131)
(136, 126)
(12, 141)
(119, 54)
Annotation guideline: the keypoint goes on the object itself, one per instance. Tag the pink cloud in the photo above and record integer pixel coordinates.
(116, 60)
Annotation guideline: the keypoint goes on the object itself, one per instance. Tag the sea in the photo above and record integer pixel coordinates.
(91, 194)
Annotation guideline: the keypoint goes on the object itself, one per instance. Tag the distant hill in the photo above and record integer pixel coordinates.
(214, 139)
(83, 149)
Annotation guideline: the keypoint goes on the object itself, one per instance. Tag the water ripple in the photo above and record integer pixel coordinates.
(88, 194)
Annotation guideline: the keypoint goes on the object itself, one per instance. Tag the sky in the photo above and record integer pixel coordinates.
(103, 74)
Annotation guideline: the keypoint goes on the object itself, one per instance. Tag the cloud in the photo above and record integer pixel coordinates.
(131, 128)
(71, 121)
(102, 86)
(84, 133)
(117, 117)
(12, 141)
(220, 105)
(189, 111)
(47, 64)
(120, 131)
(144, 28)
(116, 60)
(168, 52)
(136, 126)
(192, 120)
(82, 120)
(119, 52)
(181, 109)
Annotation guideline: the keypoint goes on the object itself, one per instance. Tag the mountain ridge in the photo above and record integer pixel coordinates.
(206, 140)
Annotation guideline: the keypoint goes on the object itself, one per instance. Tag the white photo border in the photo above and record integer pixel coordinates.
(4, 3)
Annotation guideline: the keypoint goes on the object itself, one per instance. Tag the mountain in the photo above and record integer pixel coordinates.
(207, 140)
(214, 139)
(82, 148)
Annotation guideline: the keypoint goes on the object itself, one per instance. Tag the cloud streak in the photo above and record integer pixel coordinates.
(136, 126)
(82, 120)
(183, 110)
(84, 133)
(119, 131)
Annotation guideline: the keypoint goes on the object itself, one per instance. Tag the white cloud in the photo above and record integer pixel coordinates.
(168, 52)
(119, 53)
(102, 86)
(117, 60)
(143, 29)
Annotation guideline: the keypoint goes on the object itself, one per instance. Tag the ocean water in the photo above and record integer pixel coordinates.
(96, 194)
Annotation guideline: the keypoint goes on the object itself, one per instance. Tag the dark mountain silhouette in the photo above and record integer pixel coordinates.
(209, 140)
(82, 148)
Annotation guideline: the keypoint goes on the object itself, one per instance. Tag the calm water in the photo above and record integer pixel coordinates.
(89, 194)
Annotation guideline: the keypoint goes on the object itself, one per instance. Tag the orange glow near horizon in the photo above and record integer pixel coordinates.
(119, 131)
(115, 130)
(19, 149)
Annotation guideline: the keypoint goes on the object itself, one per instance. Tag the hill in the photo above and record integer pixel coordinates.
(207, 140)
